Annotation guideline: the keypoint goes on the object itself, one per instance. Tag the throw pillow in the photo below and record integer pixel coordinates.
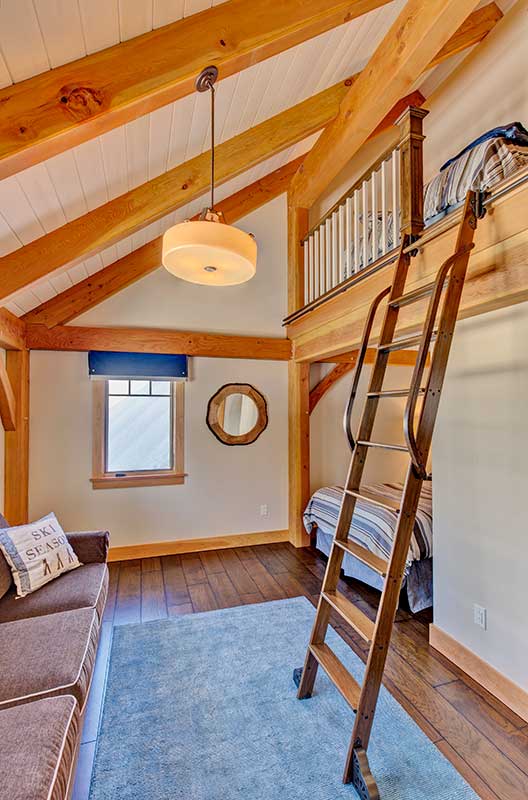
(37, 553)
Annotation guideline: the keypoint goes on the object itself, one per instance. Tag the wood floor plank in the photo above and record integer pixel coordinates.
(467, 772)
(421, 658)
(176, 590)
(113, 580)
(242, 580)
(152, 564)
(153, 603)
(497, 728)
(211, 562)
(224, 590)
(507, 780)
(273, 564)
(202, 597)
(128, 602)
(193, 569)
(266, 583)
(249, 599)
(178, 611)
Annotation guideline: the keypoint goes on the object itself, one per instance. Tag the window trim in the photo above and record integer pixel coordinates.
(101, 479)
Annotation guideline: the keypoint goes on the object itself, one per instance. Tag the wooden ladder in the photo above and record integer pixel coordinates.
(448, 284)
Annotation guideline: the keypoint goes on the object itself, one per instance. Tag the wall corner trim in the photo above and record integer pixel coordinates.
(180, 546)
(501, 687)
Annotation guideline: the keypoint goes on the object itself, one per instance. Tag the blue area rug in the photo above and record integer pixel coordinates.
(203, 707)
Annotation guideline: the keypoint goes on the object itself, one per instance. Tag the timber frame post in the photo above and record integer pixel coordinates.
(298, 387)
(16, 459)
(411, 170)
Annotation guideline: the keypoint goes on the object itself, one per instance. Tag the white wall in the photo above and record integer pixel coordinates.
(226, 485)
(329, 452)
(255, 308)
(480, 490)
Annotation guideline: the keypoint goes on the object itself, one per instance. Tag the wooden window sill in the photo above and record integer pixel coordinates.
(142, 479)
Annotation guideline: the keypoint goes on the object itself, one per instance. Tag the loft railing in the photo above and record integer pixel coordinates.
(360, 228)
(368, 222)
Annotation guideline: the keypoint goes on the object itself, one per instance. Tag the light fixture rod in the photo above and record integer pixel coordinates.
(205, 82)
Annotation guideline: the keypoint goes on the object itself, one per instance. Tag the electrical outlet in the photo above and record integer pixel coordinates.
(480, 616)
(264, 510)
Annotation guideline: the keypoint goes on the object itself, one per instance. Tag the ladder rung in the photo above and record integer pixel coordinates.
(404, 344)
(393, 393)
(401, 447)
(338, 674)
(412, 297)
(374, 497)
(370, 559)
(351, 614)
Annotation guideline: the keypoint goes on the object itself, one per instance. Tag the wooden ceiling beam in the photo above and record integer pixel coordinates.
(7, 400)
(154, 340)
(416, 39)
(61, 108)
(117, 276)
(152, 200)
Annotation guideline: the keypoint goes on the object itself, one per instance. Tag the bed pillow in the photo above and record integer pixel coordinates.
(37, 553)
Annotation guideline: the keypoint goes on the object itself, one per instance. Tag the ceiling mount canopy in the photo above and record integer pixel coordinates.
(207, 250)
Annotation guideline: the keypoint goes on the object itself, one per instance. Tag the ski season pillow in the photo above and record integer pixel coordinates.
(37, 553)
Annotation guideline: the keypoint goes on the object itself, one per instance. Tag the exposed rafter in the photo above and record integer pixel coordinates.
(417, 37)
(150, 201)
(117, 276)
(47, 114)
(154, 340)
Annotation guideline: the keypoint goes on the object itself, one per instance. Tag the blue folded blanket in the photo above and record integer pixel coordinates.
(515, 131)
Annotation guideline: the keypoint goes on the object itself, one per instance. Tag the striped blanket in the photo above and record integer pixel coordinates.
(373, 526)
(481, 167)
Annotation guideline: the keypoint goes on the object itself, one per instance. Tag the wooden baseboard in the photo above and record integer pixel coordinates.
(501, 687)
(179, 546)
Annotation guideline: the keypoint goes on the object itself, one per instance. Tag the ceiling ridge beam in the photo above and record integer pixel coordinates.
(150, 201)
(63, 107)
(416, 39)
(117, 276)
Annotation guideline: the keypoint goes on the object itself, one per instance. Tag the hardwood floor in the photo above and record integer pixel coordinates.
(485, 741)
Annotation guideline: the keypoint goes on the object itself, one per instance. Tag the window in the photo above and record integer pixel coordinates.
(138, 433)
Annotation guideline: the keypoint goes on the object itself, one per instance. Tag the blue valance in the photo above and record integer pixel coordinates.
(153, 366)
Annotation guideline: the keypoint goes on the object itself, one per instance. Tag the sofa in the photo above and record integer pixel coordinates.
(48, 645)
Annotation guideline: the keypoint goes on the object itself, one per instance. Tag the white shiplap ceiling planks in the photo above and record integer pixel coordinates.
(36, 35)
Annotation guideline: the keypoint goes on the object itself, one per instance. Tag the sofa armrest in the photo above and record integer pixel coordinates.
(90, 546)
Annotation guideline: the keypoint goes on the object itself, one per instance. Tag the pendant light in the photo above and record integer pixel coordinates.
(208, 250)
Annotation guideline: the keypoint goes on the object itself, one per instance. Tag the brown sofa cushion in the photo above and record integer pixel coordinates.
(38, 749)
(6, 577)
(46, 656)
(85, 587)
(90, 546)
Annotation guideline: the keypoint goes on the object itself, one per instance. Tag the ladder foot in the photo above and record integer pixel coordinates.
(297, 675)
(362, 778)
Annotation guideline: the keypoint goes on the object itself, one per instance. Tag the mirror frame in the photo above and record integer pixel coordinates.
(213, 409)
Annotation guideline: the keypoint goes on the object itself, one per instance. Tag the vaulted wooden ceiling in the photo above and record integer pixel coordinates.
(70, 216)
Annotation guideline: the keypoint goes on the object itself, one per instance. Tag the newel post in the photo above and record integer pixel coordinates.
(411, 170)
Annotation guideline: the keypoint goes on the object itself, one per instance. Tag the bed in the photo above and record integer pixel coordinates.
(373, 527)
